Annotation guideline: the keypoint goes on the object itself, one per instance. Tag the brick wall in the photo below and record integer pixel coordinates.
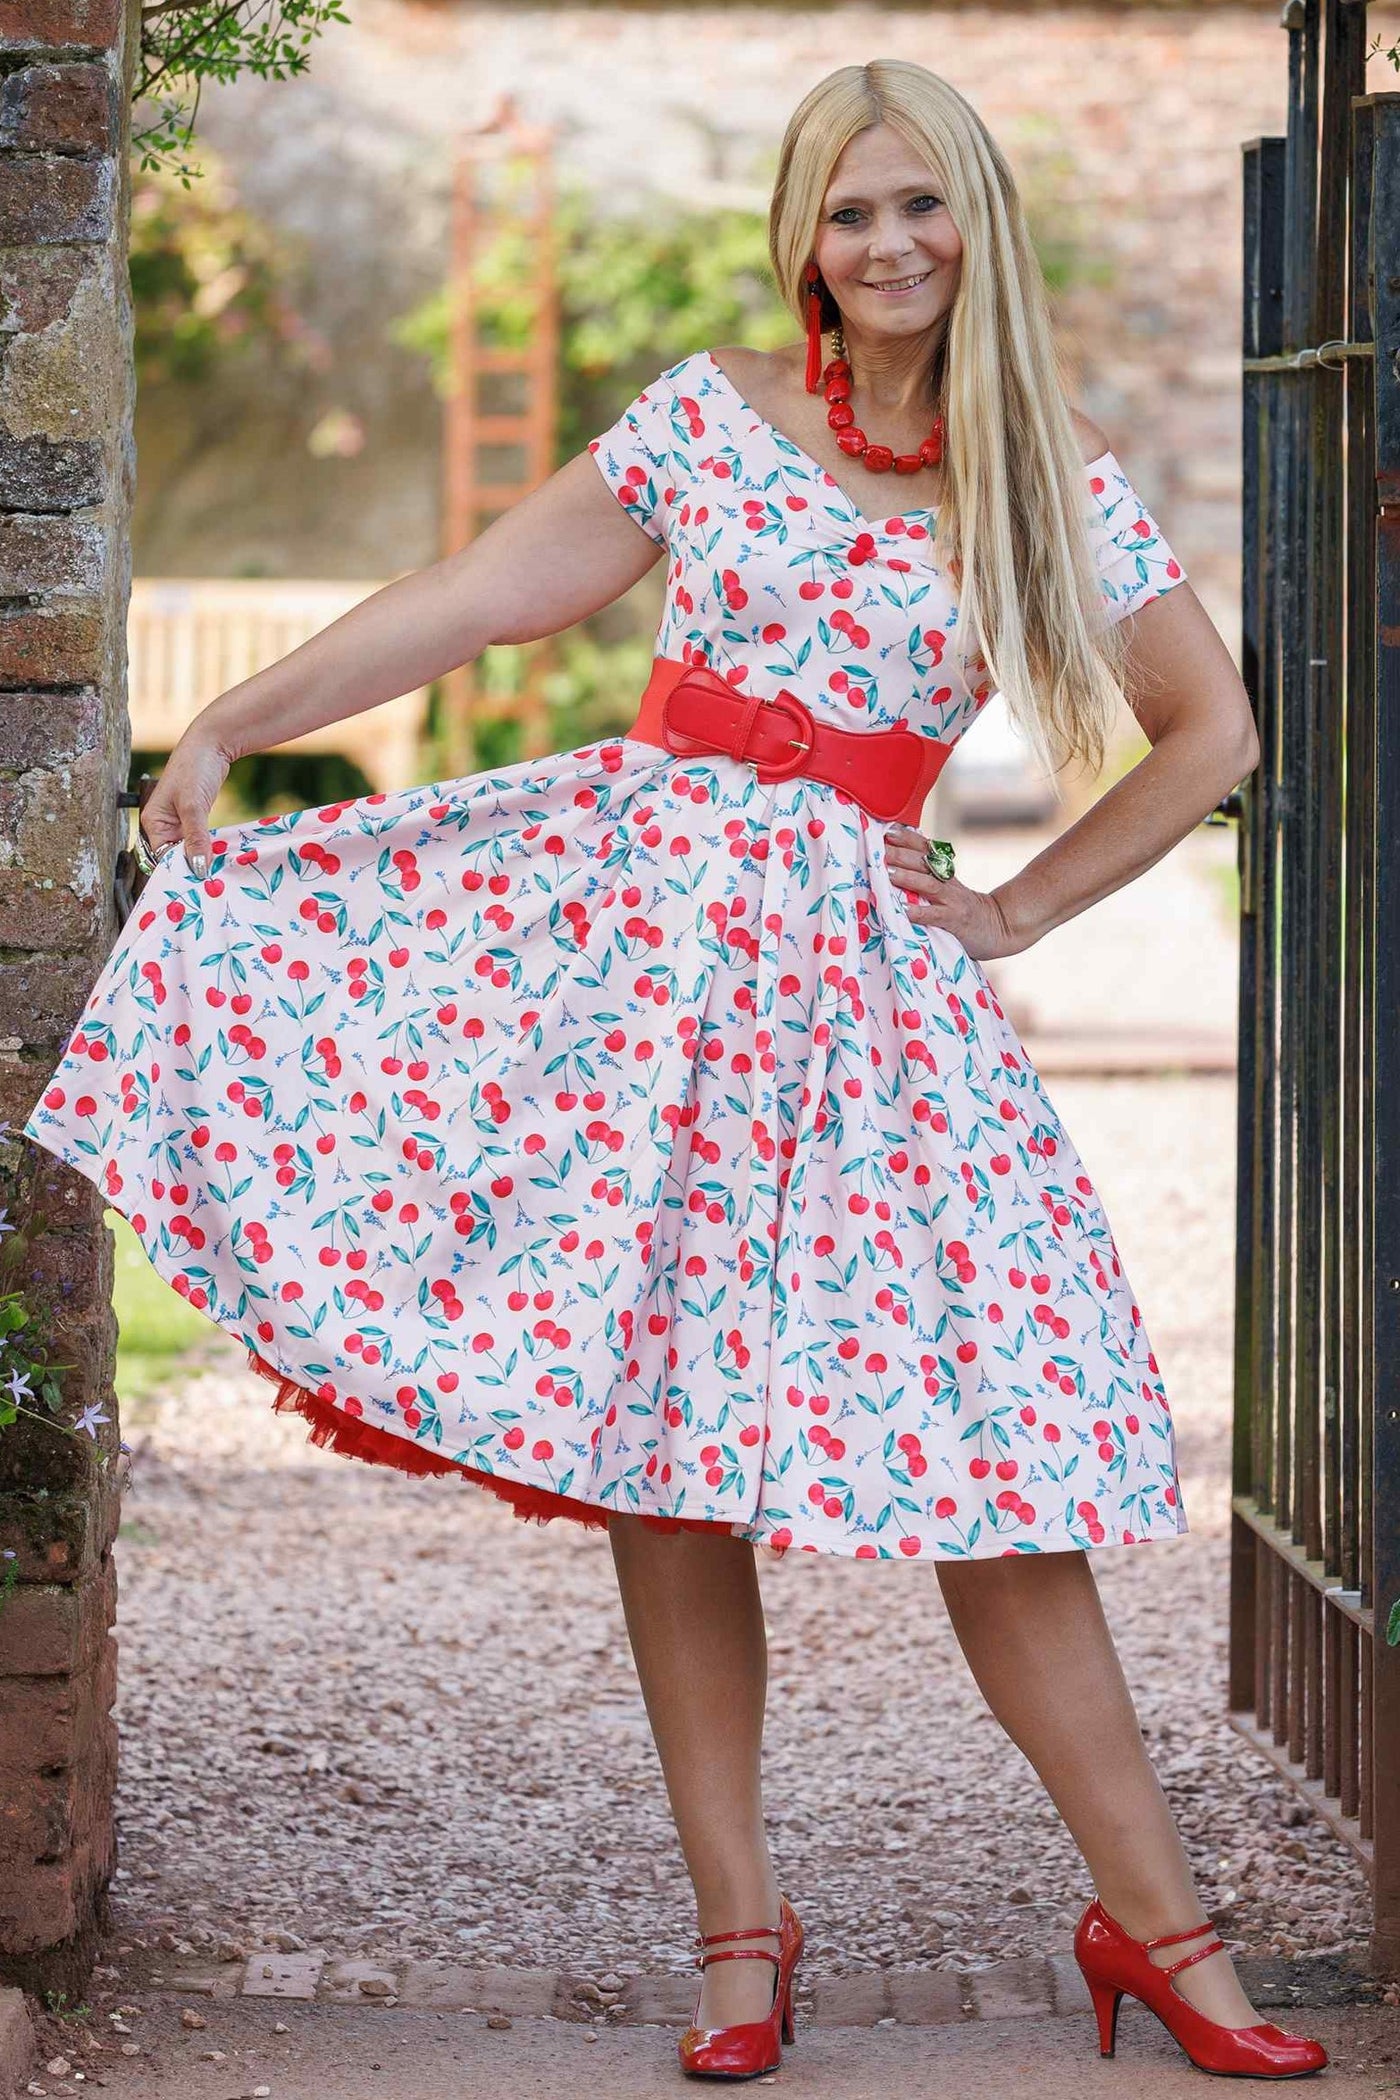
(66, 473)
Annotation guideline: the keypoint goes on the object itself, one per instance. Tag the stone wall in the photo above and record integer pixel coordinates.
(1125, 124)
(66, 466)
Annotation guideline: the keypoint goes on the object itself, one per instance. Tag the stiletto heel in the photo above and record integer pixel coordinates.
(753, 2047)
(1107, 1999)
(1113, 1962)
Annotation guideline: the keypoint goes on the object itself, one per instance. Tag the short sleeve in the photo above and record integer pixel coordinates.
(643, 456)
(1134, 562)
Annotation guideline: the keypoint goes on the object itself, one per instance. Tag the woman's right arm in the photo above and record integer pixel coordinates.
(562, 552)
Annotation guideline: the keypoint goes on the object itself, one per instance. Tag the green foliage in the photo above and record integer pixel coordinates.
(639, 291)
(261, 783)
(56, 2002)
(209, 281)
(24, 1360)
(155, 1325)
(186, 42)
(29, 1384)
(636, 293)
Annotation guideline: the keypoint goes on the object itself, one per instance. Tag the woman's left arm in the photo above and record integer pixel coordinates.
(1197, 718)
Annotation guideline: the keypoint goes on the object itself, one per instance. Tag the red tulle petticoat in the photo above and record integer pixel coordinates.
(356, 1438)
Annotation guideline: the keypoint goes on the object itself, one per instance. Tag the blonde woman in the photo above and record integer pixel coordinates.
(634, 1132)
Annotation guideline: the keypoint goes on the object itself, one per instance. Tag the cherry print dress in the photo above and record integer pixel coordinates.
(604, 1130)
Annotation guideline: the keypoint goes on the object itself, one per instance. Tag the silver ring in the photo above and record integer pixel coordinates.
(151, 856)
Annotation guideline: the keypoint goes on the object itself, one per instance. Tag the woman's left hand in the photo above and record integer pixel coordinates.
(974, 916)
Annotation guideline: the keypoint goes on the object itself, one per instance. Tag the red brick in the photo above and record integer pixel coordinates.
(43, 1000)
(32, 1456)
(646, 2001)
(46, 1722)
(70, 1270)
(39, 473)
(56, 823)
(60, 1538)
(47, 729)
(56, 199)
(56, 1903)
(1067, 1978)
(54, 555)
(42, 647)
(84, 25)
(39, 1823)
(925, 1997)
(60, 109)
(1012, 1989)
(66, 1200)
(49, 1631)
(31, 917)
(858, 2000)
(22, 1080)
(37, 285)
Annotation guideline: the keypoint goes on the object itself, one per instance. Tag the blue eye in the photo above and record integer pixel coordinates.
(838, 217)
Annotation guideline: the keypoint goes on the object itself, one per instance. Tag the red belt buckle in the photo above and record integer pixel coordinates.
(800, 745)
(736, 744)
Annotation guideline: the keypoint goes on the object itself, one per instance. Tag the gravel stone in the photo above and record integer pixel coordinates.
(463, 1770)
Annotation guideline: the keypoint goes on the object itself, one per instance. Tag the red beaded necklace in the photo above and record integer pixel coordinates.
(836, 386)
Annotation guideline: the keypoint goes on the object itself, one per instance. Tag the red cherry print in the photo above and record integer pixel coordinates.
(646, 977)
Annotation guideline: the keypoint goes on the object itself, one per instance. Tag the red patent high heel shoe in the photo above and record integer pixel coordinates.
(754, 2047)
(1113, 1962)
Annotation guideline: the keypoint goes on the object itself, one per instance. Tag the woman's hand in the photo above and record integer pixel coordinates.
(184, 795)
(973, 915)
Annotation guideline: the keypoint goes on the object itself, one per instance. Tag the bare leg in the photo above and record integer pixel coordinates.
(1033, 1631)
(695, 1621)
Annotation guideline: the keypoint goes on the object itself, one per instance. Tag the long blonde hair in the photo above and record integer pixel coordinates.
(1011, 525)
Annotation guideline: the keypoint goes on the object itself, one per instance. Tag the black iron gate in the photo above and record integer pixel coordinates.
(1315, 1570)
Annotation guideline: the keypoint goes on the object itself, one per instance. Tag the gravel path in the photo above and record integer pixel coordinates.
(382, 1715)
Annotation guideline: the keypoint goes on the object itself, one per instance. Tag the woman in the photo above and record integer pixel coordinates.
(635, 1131)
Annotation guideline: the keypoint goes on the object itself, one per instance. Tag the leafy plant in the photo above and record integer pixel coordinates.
(638, 291)
(635, 294)
(56, 2003)
(29, 1384)
(186, 42)
(209, 281)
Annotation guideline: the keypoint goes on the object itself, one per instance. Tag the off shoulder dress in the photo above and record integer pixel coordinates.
(604, 1131)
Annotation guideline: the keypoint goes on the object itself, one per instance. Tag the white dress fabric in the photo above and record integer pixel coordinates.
(603, 1128)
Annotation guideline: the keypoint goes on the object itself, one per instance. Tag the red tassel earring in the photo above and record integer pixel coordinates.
(812, 278)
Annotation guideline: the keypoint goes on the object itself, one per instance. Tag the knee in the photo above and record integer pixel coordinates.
(1011, 1579)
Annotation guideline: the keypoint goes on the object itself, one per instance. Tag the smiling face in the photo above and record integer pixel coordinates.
(886, 243)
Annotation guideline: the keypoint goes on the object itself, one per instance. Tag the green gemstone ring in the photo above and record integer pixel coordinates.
(939, 855)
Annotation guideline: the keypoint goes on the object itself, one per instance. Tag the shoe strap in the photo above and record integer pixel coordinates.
(755, 1932)
(1170, 1939)
(1169, 1968)
(702, 1961)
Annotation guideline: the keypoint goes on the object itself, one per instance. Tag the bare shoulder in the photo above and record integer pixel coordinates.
(1092, 442)
(760, 374)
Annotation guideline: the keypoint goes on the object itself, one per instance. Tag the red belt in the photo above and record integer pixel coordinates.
(688, 708)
